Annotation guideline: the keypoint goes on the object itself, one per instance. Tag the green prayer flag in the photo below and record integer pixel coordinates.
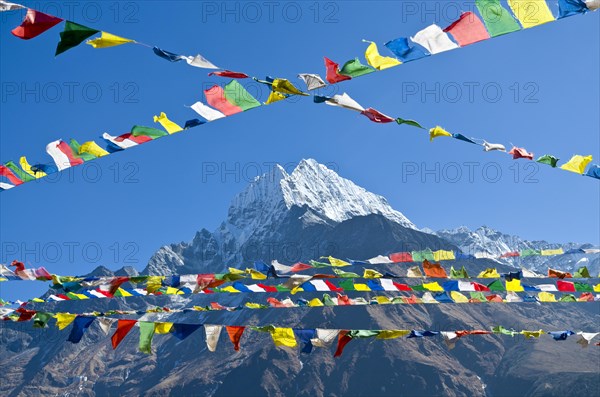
(146, 335)
(548, 159)
(418, 287)
(501, 330)
(40, 320)
(150, 132)
(281, 288)
(420, 256)
(73, 35)
(497, 19)
(583, 287)
(413, 123)
(264, 328)
(363, 333)
(478, 296)
(568, 298)
(327, 301)
(347, 285)
(582, 272)
(496, 286)
(25, 177)
(316, 264)
(530, 252)
(235, 93)
(462, 273)
(74, 145)
(354, 68)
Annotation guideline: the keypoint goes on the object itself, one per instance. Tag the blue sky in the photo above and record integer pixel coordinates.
(536, 88)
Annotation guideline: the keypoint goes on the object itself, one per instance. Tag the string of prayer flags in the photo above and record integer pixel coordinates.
(34, 24)
(531, 12)
(467, 29)
(73, 35)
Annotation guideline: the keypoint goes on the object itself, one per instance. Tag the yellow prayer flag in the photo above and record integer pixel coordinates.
(256, 275)
(121, 292)
(489, 273)
(233, 270)
(441, 255)
(81, 296)
(383, 300)
(458, 297)
(173, 291)
(284, 337)
(315, 302)
(92, 148)
(361, 287)
(275, 96)
(531, 12)
(229, 288)
(577, 164)
(167, 124)
(153, 283)
(532, 334)
(392, 334)
(251, 305)
(597, 288)
(162, 328)
(108, 40)
(285, 87)
(377, 61)
(370, 273)
(38, 300)
(552, 252)
(437, 132)
(514, 285)
(27, 168)
(337, 262)
(435, 287)
(64, 319)
(546, 297)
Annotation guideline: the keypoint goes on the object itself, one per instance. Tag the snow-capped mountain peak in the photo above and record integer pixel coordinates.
(329, 197)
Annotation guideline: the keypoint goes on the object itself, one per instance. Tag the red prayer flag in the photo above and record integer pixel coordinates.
(332, 287)
(123, 328)
(565, 286)
(275, 303)
(468, 29)
(229, 73)
(401, 257)
(34, 24)
(343, 300)
(520, 153)
(343, 339)
(586, 297)
(402, 287)
(376, 116)
(25, 315)
(267, 288)
(235, 334)
(6, 172)
(298, 267)
(479, 287)
(215, 96)
(332, 72)
(510, 254)
(137, 139)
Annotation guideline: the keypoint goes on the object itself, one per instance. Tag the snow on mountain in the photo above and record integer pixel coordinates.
(485, 240)
(330, 197)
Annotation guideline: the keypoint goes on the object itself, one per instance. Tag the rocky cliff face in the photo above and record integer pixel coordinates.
(295, 217)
